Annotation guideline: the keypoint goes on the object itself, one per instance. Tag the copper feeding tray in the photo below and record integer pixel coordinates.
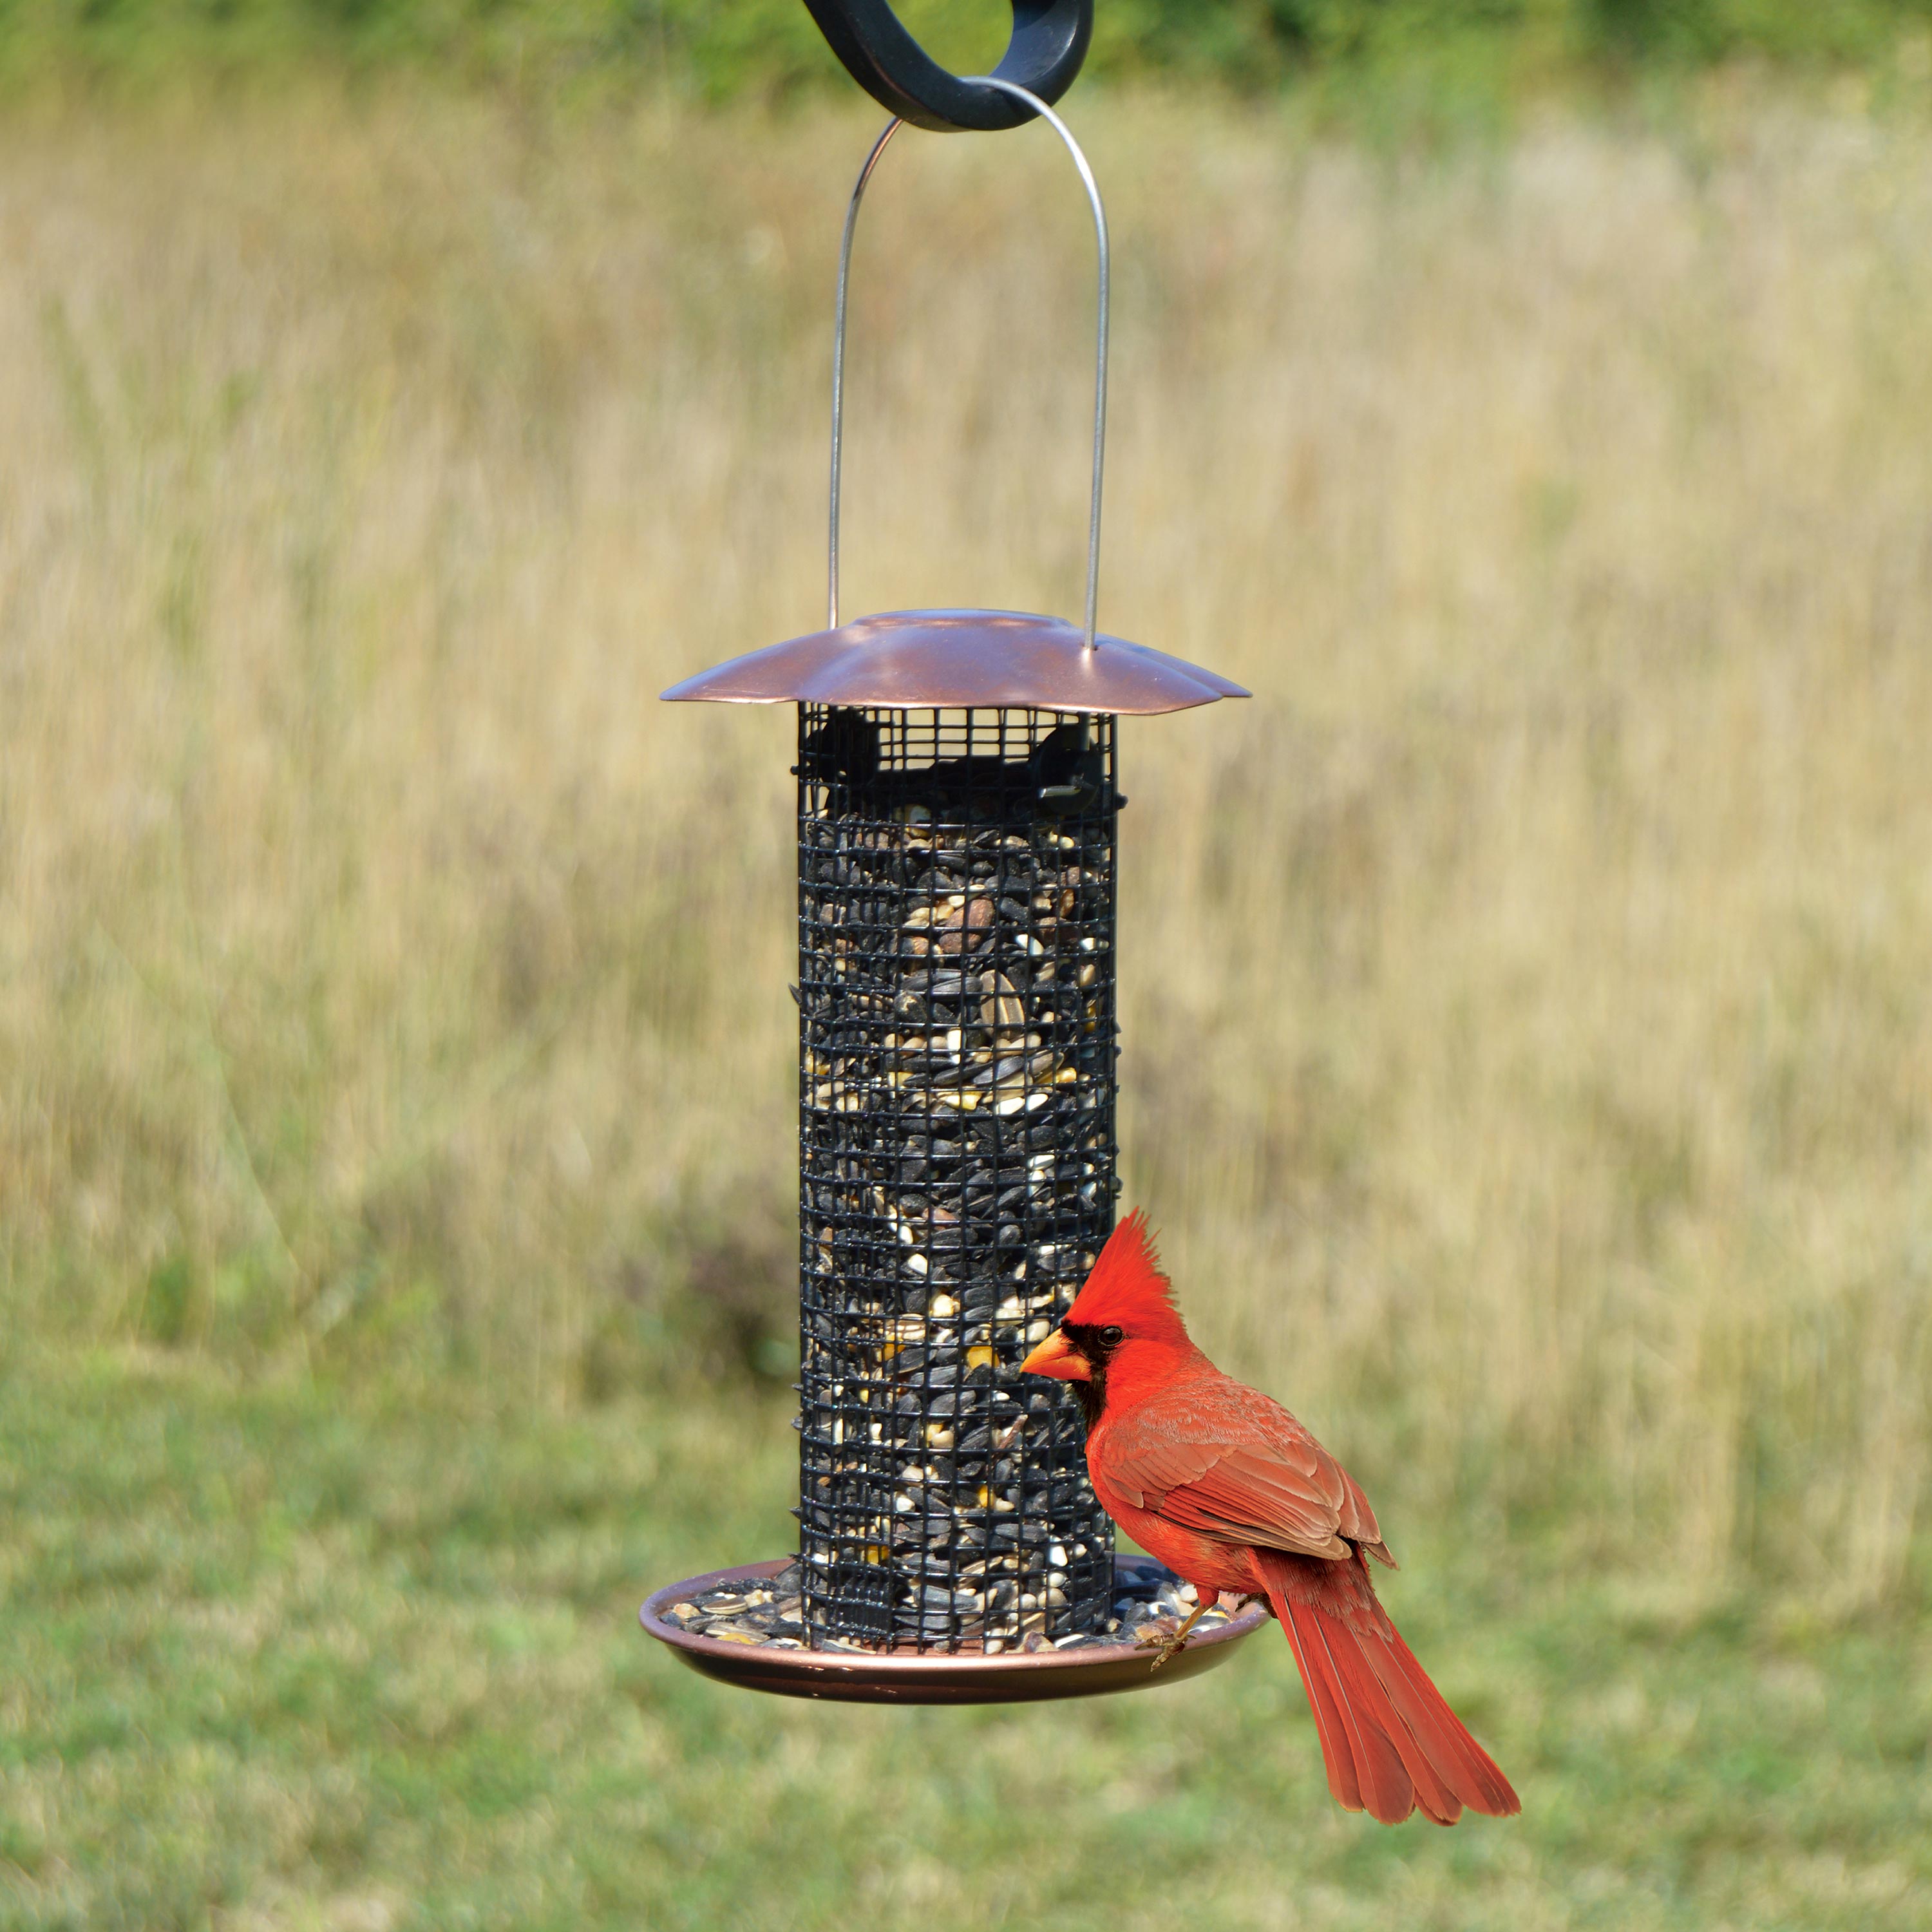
(964, 660)
(937, 1677)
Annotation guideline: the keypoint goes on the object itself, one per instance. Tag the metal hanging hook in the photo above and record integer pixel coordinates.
(1049, 42)
(1046, 113)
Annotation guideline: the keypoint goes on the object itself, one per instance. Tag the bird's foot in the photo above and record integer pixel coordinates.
(1173, 1647)
(1172, 1641)
(1163, 1633)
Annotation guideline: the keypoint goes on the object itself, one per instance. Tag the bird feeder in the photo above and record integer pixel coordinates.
(959, 809)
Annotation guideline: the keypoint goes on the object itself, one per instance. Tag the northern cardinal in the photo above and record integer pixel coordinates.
(1230, 1491)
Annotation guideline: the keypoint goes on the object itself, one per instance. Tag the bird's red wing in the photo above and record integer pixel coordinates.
(1250, 1498)
(1227, 1461)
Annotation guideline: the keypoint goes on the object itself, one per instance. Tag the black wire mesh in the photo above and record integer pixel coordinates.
(957, 1047)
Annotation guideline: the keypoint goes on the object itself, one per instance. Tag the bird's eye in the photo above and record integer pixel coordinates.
(1110, 1336)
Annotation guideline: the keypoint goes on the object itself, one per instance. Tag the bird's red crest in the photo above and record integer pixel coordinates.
(1128, 1286)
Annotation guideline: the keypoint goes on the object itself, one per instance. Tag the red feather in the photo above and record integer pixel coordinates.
(1385, 1729)
(1228, 1490)
(1128, 1285)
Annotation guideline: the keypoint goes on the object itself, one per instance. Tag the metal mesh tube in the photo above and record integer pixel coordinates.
(956, 1172)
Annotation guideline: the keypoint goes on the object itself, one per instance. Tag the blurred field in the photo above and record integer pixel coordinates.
(1441, 62)
(1526, 1050)
(282, 1662)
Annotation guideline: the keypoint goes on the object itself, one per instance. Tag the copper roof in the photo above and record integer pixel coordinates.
(917, 660)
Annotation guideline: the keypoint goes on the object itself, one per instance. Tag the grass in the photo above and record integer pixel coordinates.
(290, 1657)
(1435, 61)
(1526, 1057)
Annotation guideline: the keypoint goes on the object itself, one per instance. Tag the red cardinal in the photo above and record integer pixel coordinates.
(1232, 1494)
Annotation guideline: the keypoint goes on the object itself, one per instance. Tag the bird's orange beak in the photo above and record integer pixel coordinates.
(1058, 1357)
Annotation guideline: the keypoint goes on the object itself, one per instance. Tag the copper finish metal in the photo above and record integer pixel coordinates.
(920, 660)
(911, 1677)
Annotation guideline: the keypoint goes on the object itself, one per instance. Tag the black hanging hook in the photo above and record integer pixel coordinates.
(1049, 42)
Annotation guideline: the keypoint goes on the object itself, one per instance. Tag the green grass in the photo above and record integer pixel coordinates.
(1421, 61)
(289, 1657)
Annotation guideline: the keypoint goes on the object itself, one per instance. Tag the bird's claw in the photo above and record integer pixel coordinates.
(1163, 1632)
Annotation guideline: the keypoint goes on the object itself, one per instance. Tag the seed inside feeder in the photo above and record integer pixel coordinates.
(956, 1171)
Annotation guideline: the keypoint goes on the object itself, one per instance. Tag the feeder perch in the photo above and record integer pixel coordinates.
(958, 812)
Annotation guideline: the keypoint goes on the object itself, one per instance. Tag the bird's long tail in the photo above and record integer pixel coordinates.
(1389, 1740)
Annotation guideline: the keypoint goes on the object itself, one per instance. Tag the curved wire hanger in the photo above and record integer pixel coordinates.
(1035, 106)
(1049, 42)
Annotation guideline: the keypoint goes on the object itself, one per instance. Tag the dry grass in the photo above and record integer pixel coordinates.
(1527, 1051)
